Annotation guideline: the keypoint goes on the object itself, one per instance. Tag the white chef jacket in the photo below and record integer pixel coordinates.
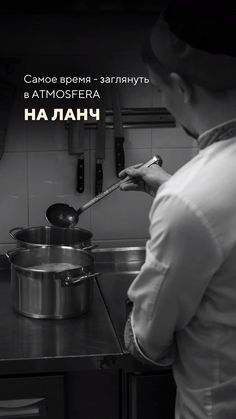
(184, 298)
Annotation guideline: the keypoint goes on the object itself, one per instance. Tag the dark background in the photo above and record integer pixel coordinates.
(85, 6)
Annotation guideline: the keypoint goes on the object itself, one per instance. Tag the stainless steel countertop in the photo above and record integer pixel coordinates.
(47, 345)
(93, 341)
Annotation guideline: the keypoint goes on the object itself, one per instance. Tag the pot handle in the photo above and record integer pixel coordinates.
(9, 252)
(15, 229)
(69, 277)
(69, 281)
(91, 247)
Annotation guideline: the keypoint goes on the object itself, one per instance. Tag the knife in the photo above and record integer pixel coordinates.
(119, 132)
(100, 149)
(76, 135)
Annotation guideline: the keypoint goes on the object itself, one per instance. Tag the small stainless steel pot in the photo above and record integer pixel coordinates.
(52, 236)
(49, 294)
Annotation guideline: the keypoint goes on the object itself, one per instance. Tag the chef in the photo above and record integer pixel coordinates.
(184, 298)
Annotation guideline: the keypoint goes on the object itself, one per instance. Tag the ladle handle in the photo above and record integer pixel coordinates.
(154, 160)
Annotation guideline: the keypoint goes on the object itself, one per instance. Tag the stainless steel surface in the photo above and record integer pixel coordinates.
(51, 236)
(62, 215)
(28, 346)
(119, 267)
(43, 294)
(119, 259)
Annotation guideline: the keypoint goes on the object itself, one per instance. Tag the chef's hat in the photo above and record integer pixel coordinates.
(203, 54)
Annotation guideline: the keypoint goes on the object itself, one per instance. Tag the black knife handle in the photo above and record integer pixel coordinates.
(80, 176)
(98, 178)
(119, 155)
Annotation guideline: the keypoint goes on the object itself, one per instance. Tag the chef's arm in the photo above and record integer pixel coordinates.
(182, 255)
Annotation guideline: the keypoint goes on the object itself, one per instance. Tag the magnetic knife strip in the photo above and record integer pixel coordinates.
(138, 118)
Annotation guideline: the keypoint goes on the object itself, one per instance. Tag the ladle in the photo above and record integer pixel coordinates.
(62, 215)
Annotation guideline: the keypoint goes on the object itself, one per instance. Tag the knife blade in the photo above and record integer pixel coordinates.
(100, 149)
(118, 132)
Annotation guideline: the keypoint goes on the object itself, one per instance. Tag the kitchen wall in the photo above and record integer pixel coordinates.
(36, 169)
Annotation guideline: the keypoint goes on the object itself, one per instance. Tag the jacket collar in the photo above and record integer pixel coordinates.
(221, 132)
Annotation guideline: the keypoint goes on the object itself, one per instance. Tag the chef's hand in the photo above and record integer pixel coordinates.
(146, 179)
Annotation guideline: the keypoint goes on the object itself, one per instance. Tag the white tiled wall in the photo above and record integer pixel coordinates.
(36, 169)
(43, 172)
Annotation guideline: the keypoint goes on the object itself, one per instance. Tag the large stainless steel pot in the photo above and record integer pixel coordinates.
(44, 294)
(52, 236)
